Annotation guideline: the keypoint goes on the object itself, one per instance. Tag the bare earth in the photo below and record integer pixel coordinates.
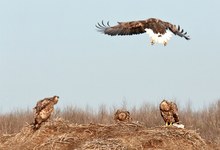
(59, 134)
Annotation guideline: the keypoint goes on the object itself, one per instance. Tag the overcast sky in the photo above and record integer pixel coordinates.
(51, 47)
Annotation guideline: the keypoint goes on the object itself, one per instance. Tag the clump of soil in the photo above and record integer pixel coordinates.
(60, 134)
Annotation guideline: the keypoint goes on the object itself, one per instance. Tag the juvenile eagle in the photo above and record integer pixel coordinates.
(169, 112)
(43, 110)
(158, 30)
(122, 115)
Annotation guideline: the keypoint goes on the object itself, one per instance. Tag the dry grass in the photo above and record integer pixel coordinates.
(206, 122)
(13, 122)
(59, 134)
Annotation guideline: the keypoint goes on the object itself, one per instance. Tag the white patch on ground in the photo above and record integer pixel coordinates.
(159, 38)
(178, 125)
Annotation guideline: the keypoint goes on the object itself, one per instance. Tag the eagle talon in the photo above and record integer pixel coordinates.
(152, 42)
(169, 124)
(165, 43)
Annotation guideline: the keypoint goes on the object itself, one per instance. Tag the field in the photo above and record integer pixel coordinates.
(75, 128)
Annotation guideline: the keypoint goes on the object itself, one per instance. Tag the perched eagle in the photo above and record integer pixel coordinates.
(43, 110)
(158, 30)
(169, 112)
(122, 115)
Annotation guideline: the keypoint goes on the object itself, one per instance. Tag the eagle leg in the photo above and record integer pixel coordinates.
(152, 42)
(165, 43)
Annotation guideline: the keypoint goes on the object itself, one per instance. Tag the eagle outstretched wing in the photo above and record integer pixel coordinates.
(123, 28)
(156, 28)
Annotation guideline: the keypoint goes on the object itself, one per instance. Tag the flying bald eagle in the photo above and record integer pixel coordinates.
(158, 30)
(169, 112)
(43, 110)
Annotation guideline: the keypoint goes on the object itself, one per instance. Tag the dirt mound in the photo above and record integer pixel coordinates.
(60, 134)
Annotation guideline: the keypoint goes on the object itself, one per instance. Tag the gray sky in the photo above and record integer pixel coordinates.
(51, 47)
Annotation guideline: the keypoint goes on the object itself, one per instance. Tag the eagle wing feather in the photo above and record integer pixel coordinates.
(123, 28)
(175, 111)
(177, 30)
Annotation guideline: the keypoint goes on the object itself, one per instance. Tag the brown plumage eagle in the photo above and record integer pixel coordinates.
(122, 115)
(43, 110)
(158, 30)
(169, 112)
